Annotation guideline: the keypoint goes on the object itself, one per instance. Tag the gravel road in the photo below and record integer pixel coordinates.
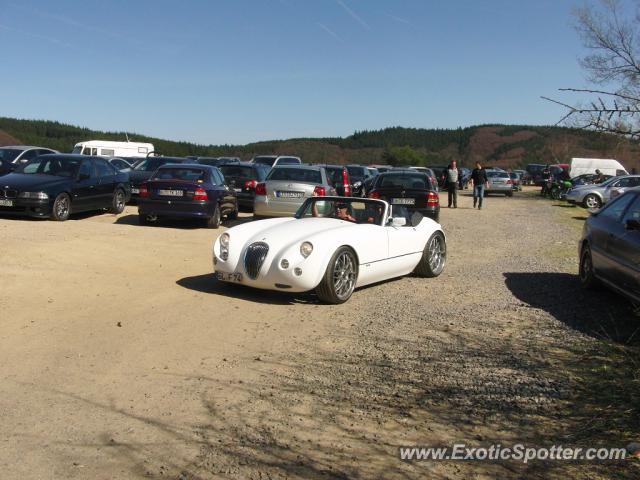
(122, 357)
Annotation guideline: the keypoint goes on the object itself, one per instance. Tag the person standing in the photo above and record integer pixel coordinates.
(479, 180)
(452, 175)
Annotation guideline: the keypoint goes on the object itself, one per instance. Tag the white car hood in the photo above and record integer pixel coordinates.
(285, 233)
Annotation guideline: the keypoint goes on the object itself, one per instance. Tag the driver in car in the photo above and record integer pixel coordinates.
(342, 213)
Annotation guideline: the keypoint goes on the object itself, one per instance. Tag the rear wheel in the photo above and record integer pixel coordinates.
(118, 202)
(61, 207)
(434, 256)
(339, 280)
(214, 220)
(592, 201)
(587, 277)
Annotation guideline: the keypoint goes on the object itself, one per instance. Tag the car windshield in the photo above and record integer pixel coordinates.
(8, 155)
(47, 165)
(304, 175)
(356, 171)
(416, 181)
(151, 164)
(184, 174)
(360, 211)
(235, 171)
(495, 174)
(264, 160)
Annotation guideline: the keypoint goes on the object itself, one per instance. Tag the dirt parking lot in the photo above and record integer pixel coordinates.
(122, 357)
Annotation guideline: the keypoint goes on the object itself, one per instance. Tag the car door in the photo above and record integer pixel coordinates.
(106, 174)
(85, 194)
(405, 243)
(228, 196)
(624, 248)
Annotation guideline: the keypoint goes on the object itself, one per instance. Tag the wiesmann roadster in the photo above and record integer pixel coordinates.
(332, 245)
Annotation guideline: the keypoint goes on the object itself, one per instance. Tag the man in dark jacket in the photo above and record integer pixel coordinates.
(479, 180)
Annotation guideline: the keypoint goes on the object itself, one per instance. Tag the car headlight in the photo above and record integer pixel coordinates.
(224, 240)
(305, 249)
(34, 195)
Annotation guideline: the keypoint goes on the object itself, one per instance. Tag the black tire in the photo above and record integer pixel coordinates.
(118, 202)
(592, 201)
(434, 257)
(585, 271)
(61, 208)
(343, 267)
(214, 220)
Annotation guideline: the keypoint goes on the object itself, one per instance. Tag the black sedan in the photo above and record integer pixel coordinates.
(408, 189)
(187, 191)
(243, 178)
(57, 185)
(143, 171)
(610, 246)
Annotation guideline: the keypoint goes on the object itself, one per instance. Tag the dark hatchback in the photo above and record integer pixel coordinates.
(143, 171)
(57, 185)
(408, 188)
(609, 250)
(358, 174)
(243, 178)
(187, 191)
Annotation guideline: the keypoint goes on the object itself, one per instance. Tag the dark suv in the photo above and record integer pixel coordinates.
(243, 178)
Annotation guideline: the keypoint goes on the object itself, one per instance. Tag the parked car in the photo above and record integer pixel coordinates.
(120, 164)
(525, 178)
(243, 178)
(275, 160)
(382, 168)
(440, 172)
(287, 187)
(358, 174)
(339, 176)
(535, 172)
(187, 191)
(216, 161)
(12, 157)
(580, 166)
(588, 179)
(499, 182)
(332, 246)
(108, 148)
(57, 185)
(464, 177)
(411, 189)
(516, 184)
(430, 173)
(609, 249)
(596, 195)
(143, 171)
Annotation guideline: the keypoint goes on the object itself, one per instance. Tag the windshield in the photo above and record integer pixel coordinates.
(235, 171)
(47, 165)
(77, 149)
(265, 160)
(184, 174)
(8, 155)
(152, 164)
(356, 171)
(304, 175)
(360, 211)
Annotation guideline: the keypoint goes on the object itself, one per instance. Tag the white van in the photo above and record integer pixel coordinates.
(581, 166)
(113, 149)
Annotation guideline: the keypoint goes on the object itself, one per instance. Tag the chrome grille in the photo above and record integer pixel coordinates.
(254, 258)
(8, 193)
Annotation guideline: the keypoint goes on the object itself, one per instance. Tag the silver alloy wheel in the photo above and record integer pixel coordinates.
(344, 275)
(592, 201)
(120, 203)
(436, 253)
(62, 206)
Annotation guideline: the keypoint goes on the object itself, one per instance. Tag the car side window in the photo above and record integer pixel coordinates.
(615, 209)
(633, 212)
(86, 169)
(104, 169)
(29, 155)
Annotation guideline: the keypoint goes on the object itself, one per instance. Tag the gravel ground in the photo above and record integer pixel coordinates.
(499, 349)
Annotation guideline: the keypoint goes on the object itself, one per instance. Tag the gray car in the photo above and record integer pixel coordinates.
(287, 187)
(499, 181)
(596, 195)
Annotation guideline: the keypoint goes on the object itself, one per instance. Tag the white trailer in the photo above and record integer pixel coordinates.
(581, 166)
(113, 149)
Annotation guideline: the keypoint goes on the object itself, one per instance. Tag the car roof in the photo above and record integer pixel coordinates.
(25, 147)
(300, 166)
(243, 164)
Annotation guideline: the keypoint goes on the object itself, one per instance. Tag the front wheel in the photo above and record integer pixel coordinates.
(587, 276)
(118, 202)
(592, 201)
(214, 220)
(434, 257)
(339, 279)
(61, 207)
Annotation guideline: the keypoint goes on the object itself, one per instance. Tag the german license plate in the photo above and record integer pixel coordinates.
(237, 190)
(171, 193)
(6, 203)
(135, 190)
(230, 277)
(289, 194)
(403, 201)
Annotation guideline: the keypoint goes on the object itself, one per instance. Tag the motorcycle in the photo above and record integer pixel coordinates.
(559, 189)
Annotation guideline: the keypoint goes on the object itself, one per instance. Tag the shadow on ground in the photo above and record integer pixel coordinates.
(599, 312)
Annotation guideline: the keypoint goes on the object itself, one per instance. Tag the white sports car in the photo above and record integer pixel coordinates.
(333, 245)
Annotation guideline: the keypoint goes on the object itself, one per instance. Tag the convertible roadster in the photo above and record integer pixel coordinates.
(332, 246)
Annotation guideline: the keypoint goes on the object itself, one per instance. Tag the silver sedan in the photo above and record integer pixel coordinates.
(499, 182)
(287, 187)
(596, 195)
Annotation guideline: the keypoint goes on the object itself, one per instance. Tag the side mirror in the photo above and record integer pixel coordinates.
(632, 224)
(398, 221)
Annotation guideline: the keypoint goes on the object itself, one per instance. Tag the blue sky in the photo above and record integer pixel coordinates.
(237, 71)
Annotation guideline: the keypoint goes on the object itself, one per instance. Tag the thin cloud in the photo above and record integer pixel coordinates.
(329, 31)
(52, 40)
(399, 19)
(353, 14)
